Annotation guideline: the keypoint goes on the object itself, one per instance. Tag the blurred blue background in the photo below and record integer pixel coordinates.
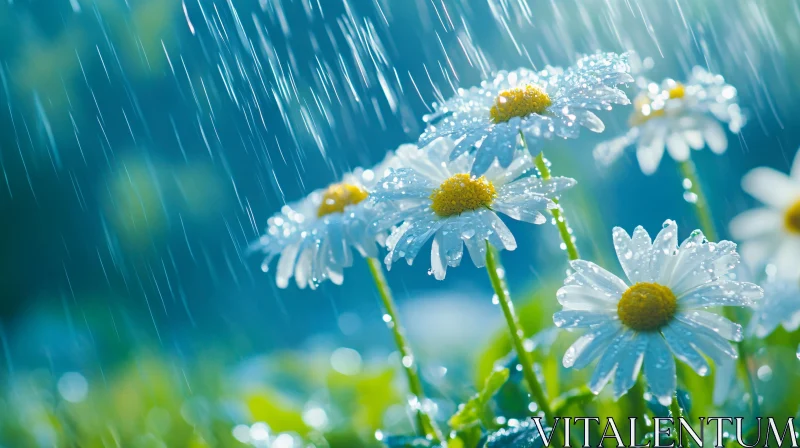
(144, 143)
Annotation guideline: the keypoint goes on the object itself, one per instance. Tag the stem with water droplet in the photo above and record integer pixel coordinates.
(517, 339)
(427, 427)
(703, 211)
(701, 207)
(558, 215)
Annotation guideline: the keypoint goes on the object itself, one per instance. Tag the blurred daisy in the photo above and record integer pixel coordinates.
(679, 117)
(442, 200)
(536, 105)
(780, 307)
(661, 314)
(315, 237)
(771, 234)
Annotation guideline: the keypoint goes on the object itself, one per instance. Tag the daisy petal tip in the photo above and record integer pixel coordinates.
(576, 265)
(596, 388)
(664, 400)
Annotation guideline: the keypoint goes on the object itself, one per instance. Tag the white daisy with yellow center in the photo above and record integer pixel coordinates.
(436, 197)
(314, 238)
(489, 119)
(659, 313)
(770, 235)
(678, 117)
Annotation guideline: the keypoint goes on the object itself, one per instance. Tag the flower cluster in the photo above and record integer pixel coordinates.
(479, 162)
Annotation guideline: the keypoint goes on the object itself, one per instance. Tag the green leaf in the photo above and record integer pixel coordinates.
(574, 397)
(408, 442)
(469, 414)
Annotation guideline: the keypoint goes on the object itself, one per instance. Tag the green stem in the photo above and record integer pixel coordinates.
(743, 365)
(517, 338)
(638, 407)
(701, 207)
(706, 220)
(677, 413)
(427, 427)
(558, 213)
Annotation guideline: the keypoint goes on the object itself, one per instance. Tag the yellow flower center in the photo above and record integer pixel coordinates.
(339, 196)
(792, 218)
(461, 193)
(647, 306)
(519, 102)
(642, 105)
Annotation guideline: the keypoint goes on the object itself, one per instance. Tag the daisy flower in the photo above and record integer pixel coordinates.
(771, 234)
(679, 117)
(315, 237)
(535, 105)
(780, 307)
(659, 313)
(442, 200)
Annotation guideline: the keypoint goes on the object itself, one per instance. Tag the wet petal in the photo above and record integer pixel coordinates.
(591, 345)
(659, 369)
(633, 253)
(589, 274)
(681, 346)
(585, 297)
(610, 360)
(580, 318)
(630, 363)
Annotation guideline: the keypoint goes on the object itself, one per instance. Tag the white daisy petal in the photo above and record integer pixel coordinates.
(633, 253)
(722, 326)
(286, 265)
(412, 239)
(663, 252)
(630, 363)
(659, 368)
(683, 349)
(694, 138)
(591, 345)
(438, 259)
(579, 318)
(708, 341)
(610, 360)
(677, 147)
(589, 274)
(496, 231)
(787, 260)
(651, 148)
(587, 298)
(771, 187)
(756, 222)
(477, 250)
(720, 293)
(715, 137)
(795, 172)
